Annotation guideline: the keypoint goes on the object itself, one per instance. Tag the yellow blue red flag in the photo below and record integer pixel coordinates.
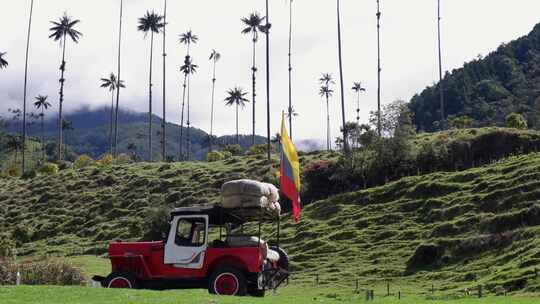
(290, 170)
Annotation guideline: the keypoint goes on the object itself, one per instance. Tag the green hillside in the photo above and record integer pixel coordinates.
(487, 89)
(456, 230)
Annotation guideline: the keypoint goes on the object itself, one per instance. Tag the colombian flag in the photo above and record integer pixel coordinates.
(290, 171)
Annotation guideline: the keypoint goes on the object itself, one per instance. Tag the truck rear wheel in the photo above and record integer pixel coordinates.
(227, 281)
(121, 280)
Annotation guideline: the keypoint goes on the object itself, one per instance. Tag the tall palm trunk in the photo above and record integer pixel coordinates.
(111, 138)
(43, 134)
(25, 86)
(253, 72)
(379, 122)
(188, 143)
(164, 120)
(212, 107)
(358, 108)
(237, 135)
(290, 71)
(268, 140)
(181, 143)
(119, 81)
(441, 88)
(328, 144)
(150, 99)
(60, 117)
(343, 118)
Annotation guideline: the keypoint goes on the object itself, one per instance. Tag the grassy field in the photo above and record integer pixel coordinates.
(292, 294)
(482, 225)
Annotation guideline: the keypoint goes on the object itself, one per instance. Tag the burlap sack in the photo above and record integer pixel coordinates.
(245, 187)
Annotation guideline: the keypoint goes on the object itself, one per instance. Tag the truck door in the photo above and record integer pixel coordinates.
(187, 242)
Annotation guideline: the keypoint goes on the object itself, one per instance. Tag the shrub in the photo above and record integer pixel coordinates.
(258, 150)
(65, 165)
(516, 121)
(7, 248)
(105, 161)
(83, 161)
(48, 169)
(234, 149)
(317, 180)
(29, 174)
(45, 272)
(13, 171)
(123, 159)
(21, 234)
(156, 223)
(214, 156)
(226, 154)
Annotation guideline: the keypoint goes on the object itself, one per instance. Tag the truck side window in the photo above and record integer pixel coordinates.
(190, 232)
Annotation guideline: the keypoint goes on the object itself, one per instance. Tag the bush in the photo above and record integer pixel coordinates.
(235, 150)
(156, 223)
(45, 272)
(13, 171)
(7, 248)
(29, 174)
(105, 161)
(258, 150)
(123, 159)
(21, 234)
(83, 161)
(48, 169)
(516, 121)
(64, 165)
(226, 154)
(214, 156)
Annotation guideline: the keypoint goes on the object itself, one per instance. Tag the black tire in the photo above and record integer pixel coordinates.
(221, 278)
(283, 262)
(258, 293)
(121, 280)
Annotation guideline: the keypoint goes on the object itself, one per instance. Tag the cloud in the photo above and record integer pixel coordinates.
(408, 37)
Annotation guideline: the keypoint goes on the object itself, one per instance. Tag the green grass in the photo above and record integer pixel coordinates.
(483, 220)
(292, 294)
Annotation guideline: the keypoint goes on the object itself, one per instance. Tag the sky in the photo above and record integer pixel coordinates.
(409, 53)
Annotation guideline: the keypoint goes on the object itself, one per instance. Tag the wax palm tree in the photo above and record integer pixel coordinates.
(188, 69)
(3, 61)
(214, 57)
(326, 92)
(290, 108)
(341, 83)
(236, 97)
(357, 87)
(267, 27)
(441, 88)
(379, 69)
(115, 152)
(291, 113)
(26, 84)
(61, 30)
(112, 84)
(42, 104)
(253, 25)
(151, 22)
(67, 126)
(187, 38)
(164, 96)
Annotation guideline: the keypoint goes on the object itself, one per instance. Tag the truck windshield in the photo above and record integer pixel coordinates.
(191, 232)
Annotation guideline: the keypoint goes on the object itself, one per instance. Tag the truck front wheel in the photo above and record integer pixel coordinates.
(227, 281)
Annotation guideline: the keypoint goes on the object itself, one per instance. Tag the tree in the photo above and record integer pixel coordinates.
(67, 126)
(14, 144)
(187, 38)
(60, 31)
(164, 119)
(390, 117)
(254, 25)
(152, 23)
(267, 32)
(188, 69)
(341, 83)
(379, 70)
(112, 83)
(326, 92)
(26, 84)
(357, 87)
(441, 88)
(115, 153)
(291, 113)
(42, 104)
(214, 57)
(461, 122)
(290, 108)
(516, 121)
(237, 98)
(3, 61)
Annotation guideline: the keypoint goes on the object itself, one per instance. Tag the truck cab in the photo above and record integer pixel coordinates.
(205, 248)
